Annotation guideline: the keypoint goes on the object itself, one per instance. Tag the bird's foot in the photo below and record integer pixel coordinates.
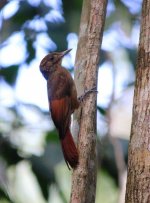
(81, 98)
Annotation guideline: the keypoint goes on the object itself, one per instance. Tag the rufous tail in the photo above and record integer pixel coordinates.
(69, 150)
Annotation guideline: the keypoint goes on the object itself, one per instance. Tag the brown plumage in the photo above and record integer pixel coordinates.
(62, 96)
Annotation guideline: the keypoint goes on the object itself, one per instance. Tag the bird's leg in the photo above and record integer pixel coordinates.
(81, 98)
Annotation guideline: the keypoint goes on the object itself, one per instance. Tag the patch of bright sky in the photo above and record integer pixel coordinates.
(134, 5)
(110, 43)
(104, 84)
(31, 86)
(69, 60)
(7, 97)
(10, 9)
(43, 43)
(37, 24)
(135, 34)
(112, 40)
(110, 7)
(55, 4)
(1, 20)
(124, 72)
(14, 48)
(34, 2)
(54, 16)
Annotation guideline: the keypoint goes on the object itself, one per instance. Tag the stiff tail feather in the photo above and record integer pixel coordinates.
(69, 150)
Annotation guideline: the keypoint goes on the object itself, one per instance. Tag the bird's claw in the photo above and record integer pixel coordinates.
(81, 98)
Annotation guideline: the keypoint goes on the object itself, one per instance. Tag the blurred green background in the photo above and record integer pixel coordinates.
(32, 168)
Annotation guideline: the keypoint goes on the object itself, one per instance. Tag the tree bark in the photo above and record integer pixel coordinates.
(86, 71)
(138, 181)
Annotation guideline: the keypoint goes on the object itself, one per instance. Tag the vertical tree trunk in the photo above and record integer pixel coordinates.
(86, 70)
(138, 181)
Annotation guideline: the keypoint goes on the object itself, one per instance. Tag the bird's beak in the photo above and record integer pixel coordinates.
(65, 52)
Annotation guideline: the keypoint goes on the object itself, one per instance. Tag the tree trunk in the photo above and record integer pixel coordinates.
(86, 71)
(138, 181)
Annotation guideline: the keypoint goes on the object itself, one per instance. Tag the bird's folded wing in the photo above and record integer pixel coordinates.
(61, 114)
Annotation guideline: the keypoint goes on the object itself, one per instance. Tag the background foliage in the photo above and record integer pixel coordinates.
(31, 162)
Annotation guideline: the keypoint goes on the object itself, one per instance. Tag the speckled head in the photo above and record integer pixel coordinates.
(51, 61)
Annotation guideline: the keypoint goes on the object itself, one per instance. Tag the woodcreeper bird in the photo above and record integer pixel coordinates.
(62, 96)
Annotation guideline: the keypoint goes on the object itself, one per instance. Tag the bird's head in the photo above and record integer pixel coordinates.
(51, 61)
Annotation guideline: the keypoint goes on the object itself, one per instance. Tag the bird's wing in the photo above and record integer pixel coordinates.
(61, 114)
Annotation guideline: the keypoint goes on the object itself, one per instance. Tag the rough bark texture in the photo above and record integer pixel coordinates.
(138, 181)
(86, 69)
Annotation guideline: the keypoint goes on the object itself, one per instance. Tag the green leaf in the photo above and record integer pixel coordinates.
(132, 53)
(30, 50)
(9, 152)
(9, 74)
(25, 12)
(103, 111)
(52, 136)
(4, 198)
